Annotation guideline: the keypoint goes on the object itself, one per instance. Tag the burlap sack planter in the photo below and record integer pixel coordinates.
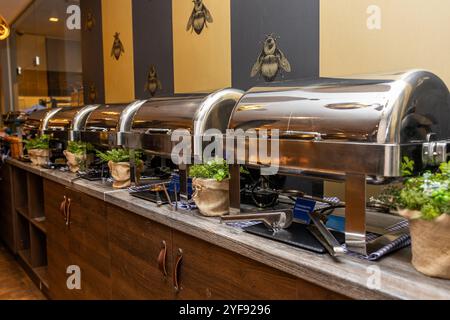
(430, 244)
(211, 196)
(120, 171)
(75, 161)
(39, 157)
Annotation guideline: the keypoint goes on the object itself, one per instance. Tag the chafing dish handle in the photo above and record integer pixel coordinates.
(158, 131)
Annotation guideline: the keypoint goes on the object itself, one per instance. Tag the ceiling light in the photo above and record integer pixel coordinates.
(53, 19)
(4, 29)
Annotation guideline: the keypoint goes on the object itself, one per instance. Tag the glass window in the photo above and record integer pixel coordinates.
(48, 55)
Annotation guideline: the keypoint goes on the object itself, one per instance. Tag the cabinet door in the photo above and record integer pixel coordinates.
(58, 256)
(210, 272)
(88, 245)
(6, 205)
(140, 251)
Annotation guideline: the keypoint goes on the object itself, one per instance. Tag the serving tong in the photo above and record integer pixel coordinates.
(274, 220)
(282, 219)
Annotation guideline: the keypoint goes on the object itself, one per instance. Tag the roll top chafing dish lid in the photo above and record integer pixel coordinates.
(37, 121)
(362, 124)
(66, 124)
(355, 128)
(157, 119)
(106, 125)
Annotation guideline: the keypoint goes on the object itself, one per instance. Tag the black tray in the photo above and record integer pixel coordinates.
(296, 235)
(156, 197)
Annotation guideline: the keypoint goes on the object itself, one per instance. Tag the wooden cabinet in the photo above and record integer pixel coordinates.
(141, 257)
(6, 205)
(122, 255)
(210, 272)
(194, 269)
(77, 236)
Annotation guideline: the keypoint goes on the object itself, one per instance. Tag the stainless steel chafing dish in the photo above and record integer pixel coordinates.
(357, 129)
(106, 125)
(67, 124)
(37, 121)
(157, 119)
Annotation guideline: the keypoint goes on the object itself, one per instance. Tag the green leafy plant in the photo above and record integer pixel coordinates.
(407, 167)
(119, 155)
(429, 193)
(76, 147)
(41, 142)
(213, 169)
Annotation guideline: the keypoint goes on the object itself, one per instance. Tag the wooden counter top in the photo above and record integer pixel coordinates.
(347, 275)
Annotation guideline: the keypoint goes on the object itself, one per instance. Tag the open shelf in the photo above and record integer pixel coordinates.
(31, 226)
(38, 244)
(35, 188)
(20, 189)
(42, 274)
(25, 255)
(23, 233)
(23, 211)
(40, 223)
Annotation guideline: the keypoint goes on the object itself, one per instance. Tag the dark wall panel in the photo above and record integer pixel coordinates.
(92, 51)
(152, 32)
(295, 27)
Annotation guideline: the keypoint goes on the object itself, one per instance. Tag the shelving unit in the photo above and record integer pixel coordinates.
(31, 239)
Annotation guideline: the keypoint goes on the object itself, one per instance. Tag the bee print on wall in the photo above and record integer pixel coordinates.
(200, 17)
(117, 49)
(90, 21)
(92, 93)
(153, 84)
(270, 61)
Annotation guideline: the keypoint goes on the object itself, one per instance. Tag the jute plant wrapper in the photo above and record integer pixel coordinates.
(211, 196)
(74, 160)
(430, 244)
(121, 174)
(39, 157)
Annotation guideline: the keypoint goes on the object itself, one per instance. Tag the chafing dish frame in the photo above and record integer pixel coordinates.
(158, 142)
(76, 125)
(111, 138)
(43, 122)
(313, 156)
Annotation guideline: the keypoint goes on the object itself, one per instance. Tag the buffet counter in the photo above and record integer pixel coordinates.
(348, 277)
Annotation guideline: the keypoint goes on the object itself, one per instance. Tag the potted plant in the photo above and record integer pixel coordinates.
(38, 150)
(77, 155)
(119, 165)
(211, 183)
(425, 202)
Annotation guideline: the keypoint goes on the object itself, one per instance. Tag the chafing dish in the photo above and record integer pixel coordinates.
(106, 125)
(357, 129)
(67, 124)
(157, 119)
(37, 121)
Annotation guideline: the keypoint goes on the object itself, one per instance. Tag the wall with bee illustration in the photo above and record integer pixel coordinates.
(92, 51)
(274, 40)
(201, 45)
(162, 47)
(367, 36)
(153, 48)
(118, 51)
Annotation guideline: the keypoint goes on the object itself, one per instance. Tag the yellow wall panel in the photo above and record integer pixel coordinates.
(119, 74)
(201, 62)
(413, 34)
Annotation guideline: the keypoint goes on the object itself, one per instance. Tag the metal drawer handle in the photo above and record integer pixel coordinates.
(176, 268)
(69, 202)
(62, 208)
(162, 258)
